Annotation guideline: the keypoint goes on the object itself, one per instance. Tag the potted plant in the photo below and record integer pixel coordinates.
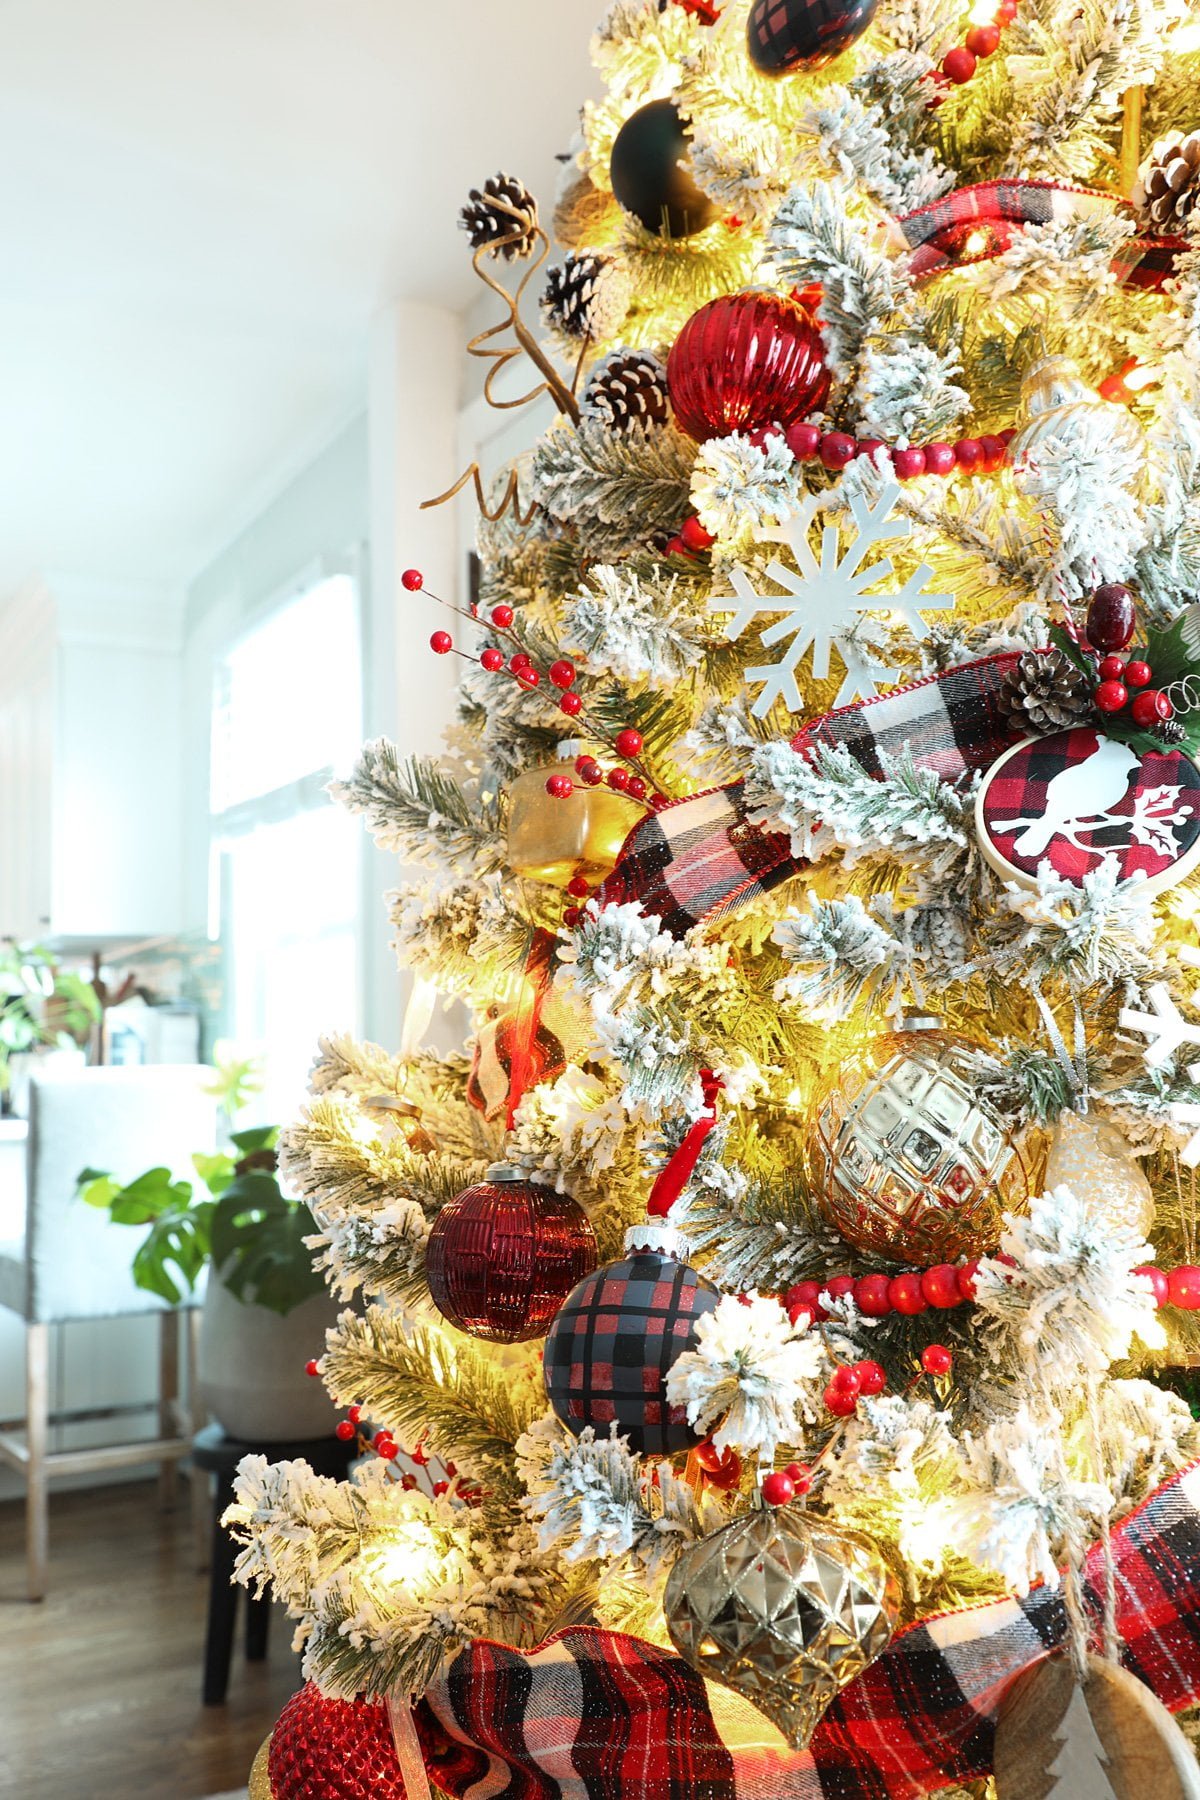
(265, 1312)
(44, 1010)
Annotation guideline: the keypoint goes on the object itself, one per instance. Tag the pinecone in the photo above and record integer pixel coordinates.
(487, 220)
(1168, 731)
(1045, 692)
(586, 295)
(1168, 184)
(628, 388)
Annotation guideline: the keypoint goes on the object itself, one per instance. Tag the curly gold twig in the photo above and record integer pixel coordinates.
(552, 382)
(510, 499)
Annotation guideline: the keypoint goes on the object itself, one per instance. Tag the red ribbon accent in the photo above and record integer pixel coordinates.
(535, 985)
(674, 1176)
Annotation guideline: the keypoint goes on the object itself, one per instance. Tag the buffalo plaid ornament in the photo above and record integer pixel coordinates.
(1074, 798)
(613, 1343)
(782, 35)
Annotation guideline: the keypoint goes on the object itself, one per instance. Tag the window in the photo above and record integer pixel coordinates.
(285, 859)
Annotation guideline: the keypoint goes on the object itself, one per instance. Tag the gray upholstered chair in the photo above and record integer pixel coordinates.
(73, 1263)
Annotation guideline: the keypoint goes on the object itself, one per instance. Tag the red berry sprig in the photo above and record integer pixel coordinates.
(1123, 681)
(959, 65)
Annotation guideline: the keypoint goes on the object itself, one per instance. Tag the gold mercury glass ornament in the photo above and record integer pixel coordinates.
(909, 1160)
(1090, 1156)
(554, 840)
(785, 1609)
(1054, 393)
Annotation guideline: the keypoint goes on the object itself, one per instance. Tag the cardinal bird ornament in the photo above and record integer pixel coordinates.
(1071, 799)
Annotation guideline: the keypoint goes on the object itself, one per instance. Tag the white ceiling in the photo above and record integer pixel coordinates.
(202, 203)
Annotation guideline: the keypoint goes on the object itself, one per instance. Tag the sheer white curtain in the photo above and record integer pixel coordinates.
(287, 710)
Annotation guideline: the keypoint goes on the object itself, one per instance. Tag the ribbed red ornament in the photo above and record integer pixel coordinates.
(504, 1255)
(743, 361)
(333, 1750)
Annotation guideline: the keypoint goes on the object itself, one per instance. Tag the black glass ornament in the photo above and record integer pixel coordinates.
(790, 34)
(649, 179)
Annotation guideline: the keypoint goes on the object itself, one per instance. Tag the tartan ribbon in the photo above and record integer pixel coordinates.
(702, 858)
(976, 223)
(595, 1715)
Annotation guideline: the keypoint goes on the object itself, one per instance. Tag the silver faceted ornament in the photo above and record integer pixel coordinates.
(785, 1609)
(1057, 401)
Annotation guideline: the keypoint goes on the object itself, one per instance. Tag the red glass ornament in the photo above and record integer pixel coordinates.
(1111, 696)
(778, 1488)
(937, 1360)
(872, 1377)
(905, 1295)
(744, 361)
(1183, 1287)
(940, 1285)
(1111, 619)
(339, 1749)
(504, 1254)
(1158, 1281)
(871, 1296)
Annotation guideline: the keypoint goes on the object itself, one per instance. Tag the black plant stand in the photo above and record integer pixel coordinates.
(220, 1455)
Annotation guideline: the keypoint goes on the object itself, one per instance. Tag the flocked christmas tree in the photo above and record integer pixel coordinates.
(814, 852)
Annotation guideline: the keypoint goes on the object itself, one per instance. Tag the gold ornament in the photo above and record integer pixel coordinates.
(554, 840)
(910, 1160)
(783, 1608)
(1056, 395)
(260, 1780)
(1090, 1156)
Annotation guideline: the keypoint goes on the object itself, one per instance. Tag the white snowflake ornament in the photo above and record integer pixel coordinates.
(824, 600)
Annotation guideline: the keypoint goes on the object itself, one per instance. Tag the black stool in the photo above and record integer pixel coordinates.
(220, 1455)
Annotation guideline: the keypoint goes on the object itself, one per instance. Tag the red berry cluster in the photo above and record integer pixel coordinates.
(691, 540)
(1124, 681)
(959, 65)
(785, 1485)
(628, 743)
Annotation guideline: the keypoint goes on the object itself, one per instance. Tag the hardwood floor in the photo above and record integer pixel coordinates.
(100, 1683)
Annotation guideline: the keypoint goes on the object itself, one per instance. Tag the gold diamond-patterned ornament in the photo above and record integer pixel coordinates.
(910, 1160)
(785, 1609)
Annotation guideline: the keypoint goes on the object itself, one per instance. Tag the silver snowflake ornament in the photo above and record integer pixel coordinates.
(825, 599)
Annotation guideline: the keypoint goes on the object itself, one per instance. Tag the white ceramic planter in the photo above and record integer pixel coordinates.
(251, 1373)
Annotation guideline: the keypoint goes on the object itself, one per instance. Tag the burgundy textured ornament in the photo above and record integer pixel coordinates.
(782, 35)
(335, 1749)
(743, 361)
(504, 1254)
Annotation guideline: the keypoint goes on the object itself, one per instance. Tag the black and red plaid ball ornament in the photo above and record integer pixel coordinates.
(329, 1750)
(609, 1351)
(1070, 800)
(782, 35)
(504, 1254)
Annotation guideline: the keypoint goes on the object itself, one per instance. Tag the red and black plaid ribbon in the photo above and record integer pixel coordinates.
(702, 858)
(976, 223)
(594, 1715)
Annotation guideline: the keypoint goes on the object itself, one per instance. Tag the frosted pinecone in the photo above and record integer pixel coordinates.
(586, 296)
(1168, 184)
(503, 209)
(628, 388)
(1044, 691)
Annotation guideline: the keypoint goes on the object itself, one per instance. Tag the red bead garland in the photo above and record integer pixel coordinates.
(947, 1285)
